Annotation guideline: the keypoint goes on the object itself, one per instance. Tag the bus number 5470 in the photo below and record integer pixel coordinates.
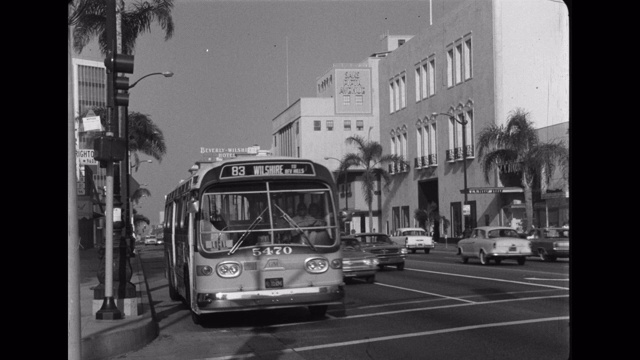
(276, 250)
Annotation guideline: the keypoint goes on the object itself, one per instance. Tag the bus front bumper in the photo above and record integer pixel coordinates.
(269, 299)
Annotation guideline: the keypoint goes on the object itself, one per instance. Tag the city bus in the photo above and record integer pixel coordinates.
(232, 241)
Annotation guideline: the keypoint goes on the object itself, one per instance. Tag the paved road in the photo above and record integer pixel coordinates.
(437, 308)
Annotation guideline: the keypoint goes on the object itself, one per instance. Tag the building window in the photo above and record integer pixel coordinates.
(346, 100)
(330, 125)
(469, 134)
(405, 217)
(359, 125)
(400, 42)
(418, 83)
(458, 63)
(393, 145)
(433, 142)
(297, 127)
(467, 59)
(359, 100)
(450, 67)
(396, 89)
(347, 125)
(432, 76)
(391, 94)
(316, 125)
(403, 91)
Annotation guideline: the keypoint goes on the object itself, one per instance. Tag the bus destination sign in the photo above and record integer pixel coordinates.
(270, 169)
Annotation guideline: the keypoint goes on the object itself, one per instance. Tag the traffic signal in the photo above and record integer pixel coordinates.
(120, 63)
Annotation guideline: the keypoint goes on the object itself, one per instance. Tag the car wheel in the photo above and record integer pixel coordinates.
(400, 266)
(426, 251)
(413, 251)
(543, 255)
(497, 260)
(521, 260)
(551, 258)
(465, 259)
(483, 258)
(381, 267)
(371, 279)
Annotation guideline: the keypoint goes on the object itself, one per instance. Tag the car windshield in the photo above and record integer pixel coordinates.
(350, 243)
(556, 233)
(502, 233)
(414, 233)
(241, 215)
(378, 239)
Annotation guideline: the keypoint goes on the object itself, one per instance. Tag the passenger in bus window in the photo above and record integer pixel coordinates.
(314, 212)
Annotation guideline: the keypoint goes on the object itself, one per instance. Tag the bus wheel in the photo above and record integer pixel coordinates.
(318, 311)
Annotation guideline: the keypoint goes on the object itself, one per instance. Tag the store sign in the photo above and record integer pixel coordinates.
(492, 190)
(85, 157)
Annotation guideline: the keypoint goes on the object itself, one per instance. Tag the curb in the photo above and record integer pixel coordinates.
(126, 335)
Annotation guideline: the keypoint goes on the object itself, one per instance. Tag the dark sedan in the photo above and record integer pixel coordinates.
(388, 252)
(550, 243)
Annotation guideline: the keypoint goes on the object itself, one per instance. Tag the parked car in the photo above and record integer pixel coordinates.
(150, 240)
(494, 242)
(549, 243)
(388, 252)
(357, 263)
(414, 239)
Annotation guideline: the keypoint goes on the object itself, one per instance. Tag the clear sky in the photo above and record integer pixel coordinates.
(229, 60)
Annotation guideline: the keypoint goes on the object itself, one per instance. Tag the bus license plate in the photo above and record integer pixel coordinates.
(274, 283)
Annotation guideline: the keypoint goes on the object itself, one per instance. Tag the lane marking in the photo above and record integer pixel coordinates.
(423, 292)
(491, 279)
(391, 337)
(540, 279)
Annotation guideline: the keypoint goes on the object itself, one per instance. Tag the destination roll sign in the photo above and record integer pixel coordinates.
(270, 169)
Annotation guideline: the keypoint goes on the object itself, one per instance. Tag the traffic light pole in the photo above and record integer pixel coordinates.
(109, 310)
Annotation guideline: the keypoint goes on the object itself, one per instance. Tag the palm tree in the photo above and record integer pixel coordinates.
(371, 160)
(517, 142)
(431, 216)
(89, 21)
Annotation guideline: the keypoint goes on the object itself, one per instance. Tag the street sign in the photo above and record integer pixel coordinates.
(91, 123)
(493, 190)
(466, 210)
(85, 157)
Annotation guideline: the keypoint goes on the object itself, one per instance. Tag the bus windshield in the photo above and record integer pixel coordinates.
(234, 216)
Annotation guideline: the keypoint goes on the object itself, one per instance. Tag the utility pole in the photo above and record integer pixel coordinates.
(73, 251)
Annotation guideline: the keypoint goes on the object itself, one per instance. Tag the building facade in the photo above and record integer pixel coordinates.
(476, 60)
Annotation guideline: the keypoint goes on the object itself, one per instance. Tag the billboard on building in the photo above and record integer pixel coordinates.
(353, 91)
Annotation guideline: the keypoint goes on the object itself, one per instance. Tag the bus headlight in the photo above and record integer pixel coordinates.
(316, 265)
(204, 270)
(228, 269)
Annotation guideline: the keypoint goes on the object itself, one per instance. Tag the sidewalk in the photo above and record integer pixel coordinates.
(105, 339)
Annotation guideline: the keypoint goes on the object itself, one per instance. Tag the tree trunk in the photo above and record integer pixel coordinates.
(528, 201)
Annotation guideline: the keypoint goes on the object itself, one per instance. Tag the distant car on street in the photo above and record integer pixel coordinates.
(494, 242)
(549, 243)
(356, 262)
(388, 252)
(150, 240)
(413, 239)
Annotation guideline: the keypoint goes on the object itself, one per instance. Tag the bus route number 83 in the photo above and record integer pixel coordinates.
(237, 171)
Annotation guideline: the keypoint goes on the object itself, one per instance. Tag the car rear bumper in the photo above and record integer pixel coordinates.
(509, 255)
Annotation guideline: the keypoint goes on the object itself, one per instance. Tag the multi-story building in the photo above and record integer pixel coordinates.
(477, 60)
(347, 104)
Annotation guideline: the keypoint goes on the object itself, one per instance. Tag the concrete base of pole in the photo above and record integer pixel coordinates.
(126, 299)
(109, 310)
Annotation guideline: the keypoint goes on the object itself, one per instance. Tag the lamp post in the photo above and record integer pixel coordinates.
(464, 123)
(128, 212)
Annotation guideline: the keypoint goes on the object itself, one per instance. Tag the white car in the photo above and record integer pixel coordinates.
(414, 239)
(494, 242)
(150, 240)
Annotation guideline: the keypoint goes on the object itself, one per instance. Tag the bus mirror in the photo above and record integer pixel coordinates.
(194, 206)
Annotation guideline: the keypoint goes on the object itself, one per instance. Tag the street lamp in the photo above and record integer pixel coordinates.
(129, 213)
(464, 123)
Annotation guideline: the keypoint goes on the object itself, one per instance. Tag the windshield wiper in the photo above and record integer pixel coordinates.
(246, 233)
(293, 224)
